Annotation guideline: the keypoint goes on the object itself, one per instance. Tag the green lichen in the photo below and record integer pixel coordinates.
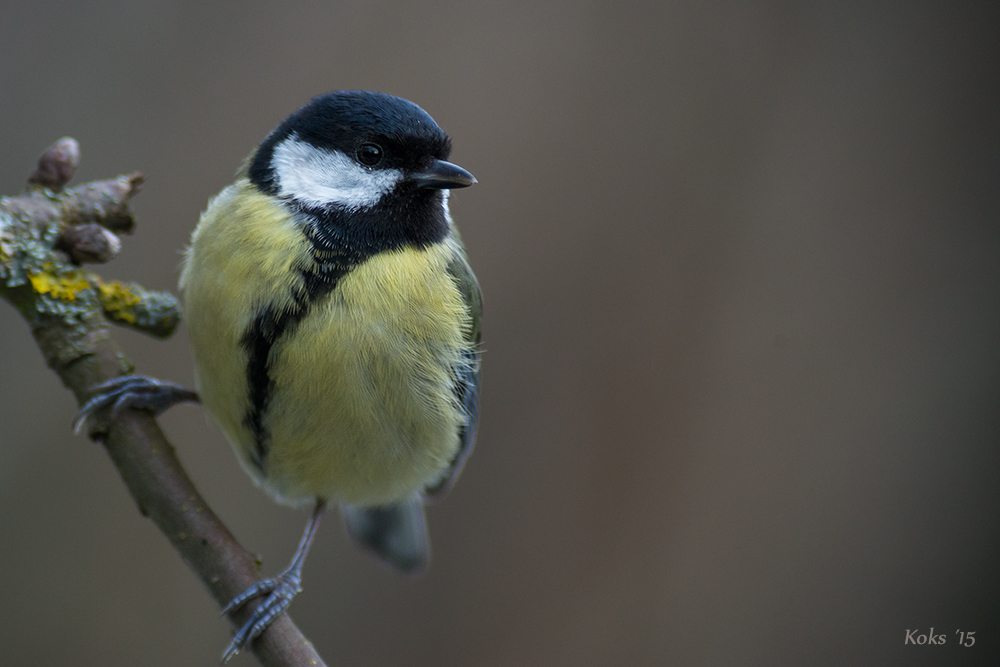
(66, 292)
(24, 249)
(62, 291)
(156, 313)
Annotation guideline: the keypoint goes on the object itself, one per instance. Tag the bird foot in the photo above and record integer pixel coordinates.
(281, 590)
(133, 391)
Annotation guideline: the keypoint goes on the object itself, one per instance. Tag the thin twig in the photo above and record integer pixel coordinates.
(45, 234)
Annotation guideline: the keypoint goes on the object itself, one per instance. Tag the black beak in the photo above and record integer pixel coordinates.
(442, 175)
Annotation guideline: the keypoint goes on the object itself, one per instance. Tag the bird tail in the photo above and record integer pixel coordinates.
(396, 534)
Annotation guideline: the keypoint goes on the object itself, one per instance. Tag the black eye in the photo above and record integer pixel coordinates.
(369, 154)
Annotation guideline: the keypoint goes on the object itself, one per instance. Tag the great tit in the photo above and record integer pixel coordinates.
(335, 324)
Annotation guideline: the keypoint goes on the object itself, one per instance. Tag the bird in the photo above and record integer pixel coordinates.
(335, 326)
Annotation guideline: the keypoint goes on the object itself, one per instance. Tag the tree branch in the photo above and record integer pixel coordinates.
(46, 233)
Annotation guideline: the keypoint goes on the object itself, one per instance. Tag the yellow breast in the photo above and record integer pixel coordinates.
(361, 408)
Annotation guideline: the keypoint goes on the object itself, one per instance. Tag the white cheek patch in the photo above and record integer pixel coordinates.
(320, 177)
(445, 193)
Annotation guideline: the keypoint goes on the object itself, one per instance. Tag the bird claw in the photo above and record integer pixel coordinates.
(133, 391)
(281, 590)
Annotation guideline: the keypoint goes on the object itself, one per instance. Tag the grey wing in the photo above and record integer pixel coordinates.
(466, 374)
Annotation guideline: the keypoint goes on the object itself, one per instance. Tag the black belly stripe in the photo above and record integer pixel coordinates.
(260, 337)
(341, 240)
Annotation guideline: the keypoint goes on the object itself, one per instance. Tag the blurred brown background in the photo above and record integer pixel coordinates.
(741, 263)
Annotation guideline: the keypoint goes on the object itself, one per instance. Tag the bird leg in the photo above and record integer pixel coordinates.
(280, 590)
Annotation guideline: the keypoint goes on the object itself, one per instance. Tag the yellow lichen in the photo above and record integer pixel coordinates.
(64, 285)
(119, 300)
